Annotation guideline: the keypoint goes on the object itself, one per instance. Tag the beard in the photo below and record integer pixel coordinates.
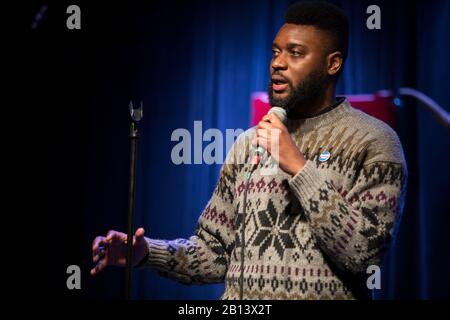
(302, 97)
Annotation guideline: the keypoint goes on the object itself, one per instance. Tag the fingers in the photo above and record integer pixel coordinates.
(263, 142)
(110, 235)
(271, 122)
(97, 243)
(264, 133)
(99, 267)
(264, 125)
(273, 118)
(267, 134)
(101, 245)
(139, 233)
(269, 126)
(100, 254)
(115, 237)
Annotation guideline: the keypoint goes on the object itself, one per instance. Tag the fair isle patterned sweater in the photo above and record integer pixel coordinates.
(308, 236)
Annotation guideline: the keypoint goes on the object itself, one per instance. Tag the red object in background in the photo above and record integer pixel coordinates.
(379, 105)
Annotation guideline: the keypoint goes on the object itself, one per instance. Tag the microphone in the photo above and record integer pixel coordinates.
(260, 152)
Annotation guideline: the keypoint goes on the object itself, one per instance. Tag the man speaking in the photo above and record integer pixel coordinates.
(310, 230)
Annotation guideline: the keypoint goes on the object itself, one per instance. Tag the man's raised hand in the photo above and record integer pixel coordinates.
(112, 249)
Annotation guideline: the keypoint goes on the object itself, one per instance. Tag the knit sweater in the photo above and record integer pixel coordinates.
(308, 236)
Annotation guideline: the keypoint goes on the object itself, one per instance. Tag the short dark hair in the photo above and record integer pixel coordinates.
(324, 16)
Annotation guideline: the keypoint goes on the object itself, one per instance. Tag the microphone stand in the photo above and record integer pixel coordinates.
(136, 116)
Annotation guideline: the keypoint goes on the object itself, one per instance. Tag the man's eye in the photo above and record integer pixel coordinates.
(296, 53)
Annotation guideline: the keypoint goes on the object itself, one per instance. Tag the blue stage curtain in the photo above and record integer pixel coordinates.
(201, 60)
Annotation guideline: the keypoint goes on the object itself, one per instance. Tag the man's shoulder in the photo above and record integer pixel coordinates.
(384, 143)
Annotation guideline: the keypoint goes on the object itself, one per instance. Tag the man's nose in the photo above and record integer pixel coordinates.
(279, 62)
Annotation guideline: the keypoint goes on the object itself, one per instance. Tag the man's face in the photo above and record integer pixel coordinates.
(298, 67)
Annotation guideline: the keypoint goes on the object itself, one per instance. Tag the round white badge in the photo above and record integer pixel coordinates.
(324, 156)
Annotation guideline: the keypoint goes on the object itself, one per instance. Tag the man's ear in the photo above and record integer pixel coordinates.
(334, 63)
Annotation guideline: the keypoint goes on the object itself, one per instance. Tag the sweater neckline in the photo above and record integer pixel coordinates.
(323, 119)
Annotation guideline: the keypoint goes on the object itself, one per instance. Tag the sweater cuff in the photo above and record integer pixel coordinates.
(306, 182)
(158, 254)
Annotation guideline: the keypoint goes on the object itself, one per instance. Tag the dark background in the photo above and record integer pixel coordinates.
(201, 60)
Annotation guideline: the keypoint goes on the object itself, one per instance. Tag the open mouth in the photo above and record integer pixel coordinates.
(279, 84)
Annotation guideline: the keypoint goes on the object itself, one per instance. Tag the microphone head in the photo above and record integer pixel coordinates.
(279, 112)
